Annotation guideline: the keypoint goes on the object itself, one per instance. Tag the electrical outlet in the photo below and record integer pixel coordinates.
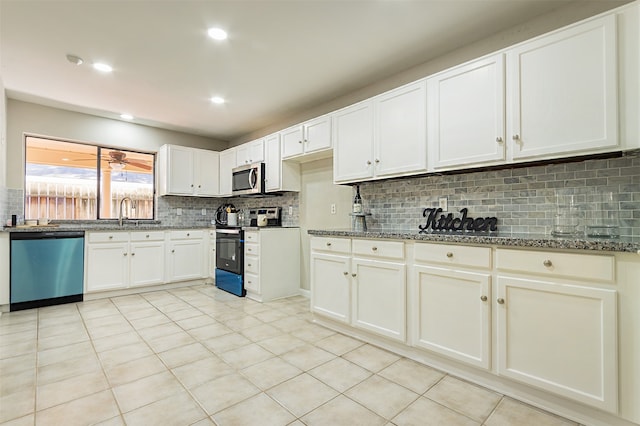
(443, 203)
(179, 211)
(333, 209)
(204, 212)
(290, 209)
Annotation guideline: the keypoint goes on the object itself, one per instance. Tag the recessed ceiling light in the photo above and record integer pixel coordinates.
(217, 33)
(217, 100)
(102, 67)
(126, 116)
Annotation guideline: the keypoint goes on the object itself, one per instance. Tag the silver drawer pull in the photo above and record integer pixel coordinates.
(449, 255)
(133, 254)
(483, 298)
(353, 275)
(547, 263)
(147, 235)
(248, 264)
(124, 254)
(345, 273)
(188, 235)
(111, 237)
(500, 301)
(374, 248)
(328, 244)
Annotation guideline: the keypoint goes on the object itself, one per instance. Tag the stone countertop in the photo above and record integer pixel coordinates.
(103, 226)
(622, 244)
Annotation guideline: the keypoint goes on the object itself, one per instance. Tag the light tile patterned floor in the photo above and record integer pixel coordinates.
(199, 356)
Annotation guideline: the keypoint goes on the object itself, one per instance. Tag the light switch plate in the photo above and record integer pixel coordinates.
(290, 209)
(333, 209)
(204, 212)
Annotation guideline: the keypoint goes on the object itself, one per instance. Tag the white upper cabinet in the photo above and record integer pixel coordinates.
(382, 137)
(401, 131)
(227, 163)
(353, 151)
(187, 171)
(311, 137)
(466, 114)
(250, 152)
(279, 175)
(562, 92)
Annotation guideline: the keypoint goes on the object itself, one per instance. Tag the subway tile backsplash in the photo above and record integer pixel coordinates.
(522, 198)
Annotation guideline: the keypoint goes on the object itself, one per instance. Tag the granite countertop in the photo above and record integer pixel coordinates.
(622, 244)
(103, 226)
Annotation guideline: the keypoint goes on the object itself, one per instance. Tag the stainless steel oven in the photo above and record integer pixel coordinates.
(230, 260)
(248, 180)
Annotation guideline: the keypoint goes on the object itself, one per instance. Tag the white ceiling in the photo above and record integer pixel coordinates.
(281, 56)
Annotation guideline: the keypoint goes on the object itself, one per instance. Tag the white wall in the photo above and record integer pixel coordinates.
(3, 136)
(317, 193)
(25, 117)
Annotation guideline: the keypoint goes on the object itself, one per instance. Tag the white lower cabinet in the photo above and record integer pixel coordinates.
(561, 338)
(453, 313)
(271, 263)
(452, 302)
(186, 255)
(378, 303)
(119, 260)
(331, 277)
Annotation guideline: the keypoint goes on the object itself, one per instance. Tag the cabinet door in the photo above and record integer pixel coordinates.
(147, 263)
(107, 266)
(256, 151)
(379, 295)
(562, 91)
(272, 162)
(227, 163)
(317, 134)
(559, 337)
(291, 140)
(207, 172)
(466, 114)
(180, 170)
(330, 286)
(401, 125)
(453, 314)
(353, 138)
(186, 259)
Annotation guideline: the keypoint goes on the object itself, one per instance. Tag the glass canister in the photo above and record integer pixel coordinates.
(602, 215)
(567, 215)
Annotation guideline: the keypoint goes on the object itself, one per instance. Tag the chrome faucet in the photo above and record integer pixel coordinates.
(120, 210)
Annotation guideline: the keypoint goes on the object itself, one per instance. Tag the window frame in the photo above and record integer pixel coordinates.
(98, 169)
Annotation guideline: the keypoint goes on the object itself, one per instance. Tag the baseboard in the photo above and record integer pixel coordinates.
(305, 293)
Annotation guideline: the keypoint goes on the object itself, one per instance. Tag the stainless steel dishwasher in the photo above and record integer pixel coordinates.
(47, 268)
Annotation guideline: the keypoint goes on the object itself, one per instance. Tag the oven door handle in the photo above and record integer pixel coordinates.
(252, 178)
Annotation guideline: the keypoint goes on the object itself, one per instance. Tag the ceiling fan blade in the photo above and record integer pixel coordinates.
(139, 165)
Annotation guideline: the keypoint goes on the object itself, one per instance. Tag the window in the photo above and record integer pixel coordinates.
(75, 181)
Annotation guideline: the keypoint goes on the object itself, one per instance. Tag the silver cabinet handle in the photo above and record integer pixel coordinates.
(173, 251)
(547, 263)
(306, 141)
(188, 234)
(248, 264)
(516, 137)
(124, 254)
(353, 275)
(133, 254)
(111, 237)
(345, 273)
(368, 162)
(483, 298)
(147, 235)
(449, 255)
(328, 244)
(299, 141)
(500, 301)
(374, 248)
(377, 161)
(499, 139)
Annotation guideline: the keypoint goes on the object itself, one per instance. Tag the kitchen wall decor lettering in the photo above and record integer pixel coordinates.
(449, 223)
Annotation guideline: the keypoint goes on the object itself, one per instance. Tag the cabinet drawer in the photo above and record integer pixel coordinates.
(252, 283)
(569, 265)
(251, 249)
(251, 236)
(252, 264)
(378, 248)
(108, 237)
(187, 234)
(330, 244)
(473, 257)
(147, 236)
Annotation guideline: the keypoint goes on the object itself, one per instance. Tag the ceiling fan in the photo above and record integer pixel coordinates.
(118, 160)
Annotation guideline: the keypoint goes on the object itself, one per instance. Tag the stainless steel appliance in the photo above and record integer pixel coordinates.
(248, 180)
(47, 268)
(230, 260)
(272, 215)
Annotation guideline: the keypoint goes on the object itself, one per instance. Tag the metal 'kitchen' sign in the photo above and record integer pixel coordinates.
(449, 223)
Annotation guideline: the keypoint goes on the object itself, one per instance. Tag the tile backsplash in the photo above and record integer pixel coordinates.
(523, 198)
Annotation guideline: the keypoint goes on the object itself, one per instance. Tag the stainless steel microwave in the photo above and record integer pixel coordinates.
(248, 179)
